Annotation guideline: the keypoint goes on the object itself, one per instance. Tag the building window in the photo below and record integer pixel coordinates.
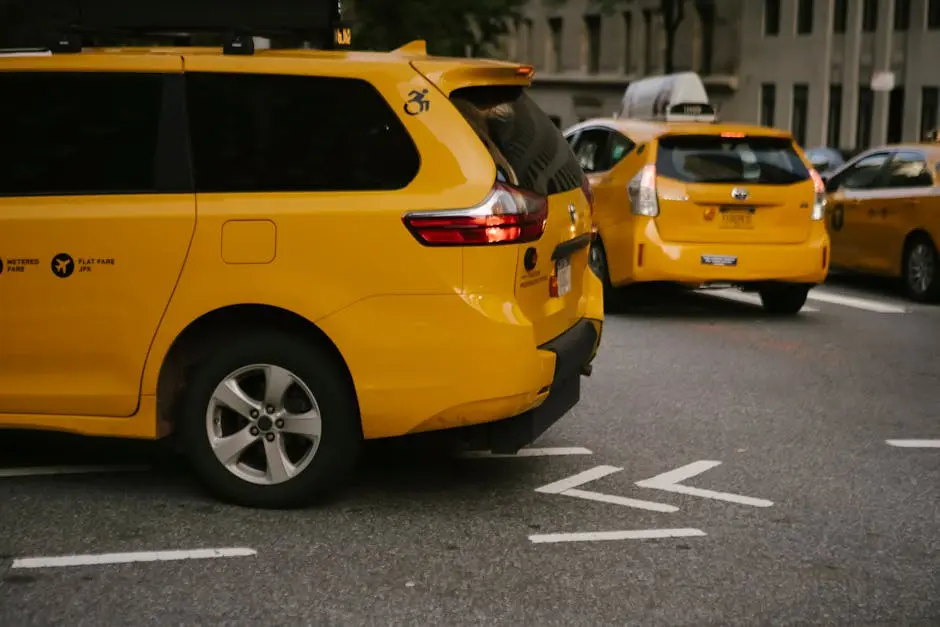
(526, 41)
(834, 132)
(929, 105)
(896, 115)
(768, 104)
(627, 42)
(648, 44)
(863, 125)
(798, 115)
(869, 16)
(771, 17)
(804, 17)
(840, 16)
(592, 31)
(555, 38)
(902, 15)
(933, 14)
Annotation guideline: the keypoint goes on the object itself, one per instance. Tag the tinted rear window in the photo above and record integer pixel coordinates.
(529, 150)
(714, 159)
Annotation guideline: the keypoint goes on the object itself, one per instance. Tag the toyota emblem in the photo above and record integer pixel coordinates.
(573, 213)
(739, 193)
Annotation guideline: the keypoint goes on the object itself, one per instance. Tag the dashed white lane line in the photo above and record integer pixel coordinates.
(855, 302)
(530, 452)
(127, 558)
(914, 443)
(637, 534)
(44, 471)
(744, 297)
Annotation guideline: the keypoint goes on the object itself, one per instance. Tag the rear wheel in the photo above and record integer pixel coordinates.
(598, 263)
(920, 270)
(269, 420)
(784, 299)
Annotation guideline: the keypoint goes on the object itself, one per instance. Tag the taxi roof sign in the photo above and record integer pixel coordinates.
(668, 98)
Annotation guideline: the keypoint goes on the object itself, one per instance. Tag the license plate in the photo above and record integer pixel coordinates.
(719, 260)
(736, 219)
(563, 272)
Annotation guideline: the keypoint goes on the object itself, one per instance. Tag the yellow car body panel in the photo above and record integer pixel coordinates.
(780, 242)
(433, 337)
(869, 228)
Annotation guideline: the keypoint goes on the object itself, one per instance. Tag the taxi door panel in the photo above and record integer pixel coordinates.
(850, 226)
(96, 218)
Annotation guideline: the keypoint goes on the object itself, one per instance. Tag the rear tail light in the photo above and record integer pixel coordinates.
(642, 192)
(506, 216)
(819, 202)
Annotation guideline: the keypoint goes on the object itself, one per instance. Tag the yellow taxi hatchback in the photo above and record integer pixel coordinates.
(703, 204)
(275, 256)
(884, 216)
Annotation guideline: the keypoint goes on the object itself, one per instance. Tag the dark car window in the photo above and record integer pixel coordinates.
(260, 132)
(908, 169)
(593, 150)
(717, 159)
(864, 174)
(71, 133)
(526, 145)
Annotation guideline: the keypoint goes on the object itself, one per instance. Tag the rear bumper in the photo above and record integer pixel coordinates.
(656, 260)
(574, 351)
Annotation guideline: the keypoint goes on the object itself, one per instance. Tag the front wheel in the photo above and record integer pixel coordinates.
(597, 259)
(920, 271)
(268, 420)
(784, 299)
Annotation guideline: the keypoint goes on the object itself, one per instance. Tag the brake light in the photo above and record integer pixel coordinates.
(819, 202)
(506, 216)
(588, 192)
(642, 192)
(733, 134)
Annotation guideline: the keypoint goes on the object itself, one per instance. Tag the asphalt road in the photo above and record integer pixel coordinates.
(837, 527)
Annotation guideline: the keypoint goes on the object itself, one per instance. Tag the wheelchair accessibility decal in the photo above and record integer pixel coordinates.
(837, 219)
(417, 102)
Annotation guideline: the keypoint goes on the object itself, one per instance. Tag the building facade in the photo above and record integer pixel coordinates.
(803, 65)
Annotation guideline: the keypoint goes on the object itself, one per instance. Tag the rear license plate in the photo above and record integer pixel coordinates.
(563, 272)
(736, 219)
(719, 260)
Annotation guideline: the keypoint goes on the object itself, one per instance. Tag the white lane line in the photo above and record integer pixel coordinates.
(670, 482)
(126, 558)
(530, 452)
(914, 443)
(621, 500)
(579, 479)
(43, 471)
(594, 536)
(855, 302)
(743, 297)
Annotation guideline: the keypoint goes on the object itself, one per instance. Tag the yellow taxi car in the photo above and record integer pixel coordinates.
(884, 216)
(678, 198)
(276, 254)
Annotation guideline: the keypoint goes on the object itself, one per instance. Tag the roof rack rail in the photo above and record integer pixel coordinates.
(236, 22)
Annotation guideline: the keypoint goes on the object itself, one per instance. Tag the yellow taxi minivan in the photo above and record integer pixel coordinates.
(884, 216)
(277, 254)
(683, 199)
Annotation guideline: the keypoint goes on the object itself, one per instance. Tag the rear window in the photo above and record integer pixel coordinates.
(714, 159)
(529, 150)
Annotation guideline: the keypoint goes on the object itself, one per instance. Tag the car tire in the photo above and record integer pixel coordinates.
(785, 299)
(920, 269)
(598, 262)
(310, 419)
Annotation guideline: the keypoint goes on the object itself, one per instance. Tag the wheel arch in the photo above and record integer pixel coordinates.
(202, 333)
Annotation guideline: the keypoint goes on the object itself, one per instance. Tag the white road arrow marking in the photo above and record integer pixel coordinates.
(671, 482)
(569, 485)
(914, 443)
